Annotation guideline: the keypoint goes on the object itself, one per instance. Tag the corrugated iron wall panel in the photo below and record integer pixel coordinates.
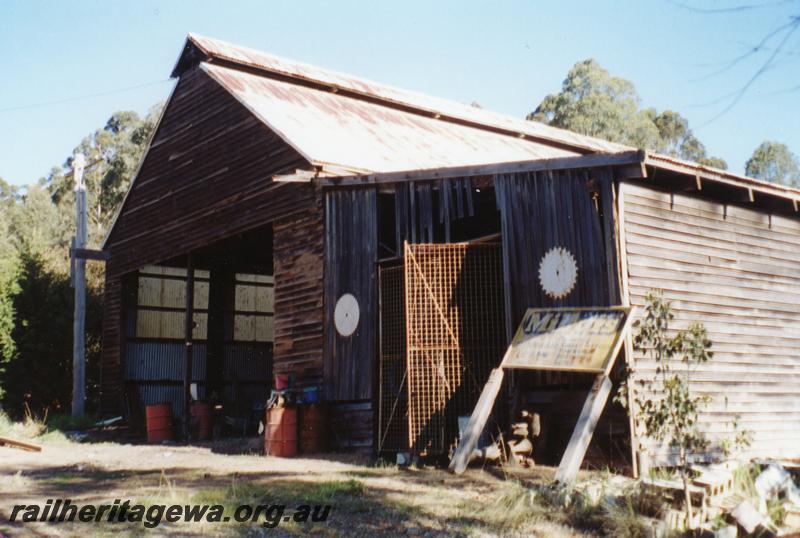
(163, 361)
(151, 394)
(250, 362)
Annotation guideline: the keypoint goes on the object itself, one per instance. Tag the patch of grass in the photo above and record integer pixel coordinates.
(646, 502)
(44, 428)
(776, 511)
(622, 519)
(237, 493)
(234, 494)
(744, 480)
(663, 473)
(88, 475)
(30, 427)
(65, 422)
(513, 507)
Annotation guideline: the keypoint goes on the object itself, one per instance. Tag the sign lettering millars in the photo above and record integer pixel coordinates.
(570, 339)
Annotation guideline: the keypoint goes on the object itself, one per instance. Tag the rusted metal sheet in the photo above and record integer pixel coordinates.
(332, 129)
(725, 176)
(421, 103)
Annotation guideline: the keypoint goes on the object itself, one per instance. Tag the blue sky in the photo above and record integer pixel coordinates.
(506, 55)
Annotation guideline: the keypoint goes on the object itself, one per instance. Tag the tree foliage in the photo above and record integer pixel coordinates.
(42, 354)
(595, 103)
(37, 223)
(772, 161)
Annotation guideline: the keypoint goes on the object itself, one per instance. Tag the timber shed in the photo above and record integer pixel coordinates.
(382, 245)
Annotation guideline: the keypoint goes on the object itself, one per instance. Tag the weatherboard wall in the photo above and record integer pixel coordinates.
(737, 271)
(206, 176)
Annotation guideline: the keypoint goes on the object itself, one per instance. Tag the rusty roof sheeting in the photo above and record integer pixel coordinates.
(710, 172)
(433, 106)
(333, 129)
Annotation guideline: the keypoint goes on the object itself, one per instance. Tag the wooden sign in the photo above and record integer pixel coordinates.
(568, 339)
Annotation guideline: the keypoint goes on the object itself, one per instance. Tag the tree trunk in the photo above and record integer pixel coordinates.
(687, 497)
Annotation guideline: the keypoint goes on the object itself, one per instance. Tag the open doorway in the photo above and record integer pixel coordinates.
(232, 336)
(441, 310)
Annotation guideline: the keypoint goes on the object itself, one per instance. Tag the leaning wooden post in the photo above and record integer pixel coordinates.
(188, 334)
(79, 282)
(584, 429)
(477, 422)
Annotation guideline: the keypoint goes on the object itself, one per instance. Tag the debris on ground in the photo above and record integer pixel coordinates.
(516, 446)
(748, 518)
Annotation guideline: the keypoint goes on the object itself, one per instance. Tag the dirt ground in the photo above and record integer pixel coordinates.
(366, 499)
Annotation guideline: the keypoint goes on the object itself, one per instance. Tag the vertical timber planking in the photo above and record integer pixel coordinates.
(351, 248)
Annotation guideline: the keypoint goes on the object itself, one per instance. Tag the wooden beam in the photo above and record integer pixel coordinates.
(609, 235)
(13, 443)
(745, 194)
(299, 176)
(477, 421)
(622, 249)
(584, 429)
(90, 254)
(631, 171)
(594, 160)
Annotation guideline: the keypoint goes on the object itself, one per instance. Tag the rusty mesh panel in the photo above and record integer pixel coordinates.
(393, 398)
(455, 335)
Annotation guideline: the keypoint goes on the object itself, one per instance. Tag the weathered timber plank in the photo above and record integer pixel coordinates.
(477, 422)
(584, 429)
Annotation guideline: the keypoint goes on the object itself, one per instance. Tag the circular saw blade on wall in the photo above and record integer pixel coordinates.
(558, 272)
(346, 314)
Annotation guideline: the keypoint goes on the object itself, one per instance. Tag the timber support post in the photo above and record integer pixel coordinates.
(79, 283)
(582, 434)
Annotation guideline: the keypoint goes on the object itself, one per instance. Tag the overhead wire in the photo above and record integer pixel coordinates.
(83, 97)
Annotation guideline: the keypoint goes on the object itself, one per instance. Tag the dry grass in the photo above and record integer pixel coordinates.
(44, 428)
(366, 499)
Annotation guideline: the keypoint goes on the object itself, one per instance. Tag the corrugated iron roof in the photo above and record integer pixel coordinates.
(441, 109)
(658, 159)
(349, 133)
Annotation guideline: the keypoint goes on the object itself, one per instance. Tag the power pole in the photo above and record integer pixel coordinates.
(79, 281)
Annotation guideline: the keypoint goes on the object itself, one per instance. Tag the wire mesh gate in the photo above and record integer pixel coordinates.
(454, 334)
